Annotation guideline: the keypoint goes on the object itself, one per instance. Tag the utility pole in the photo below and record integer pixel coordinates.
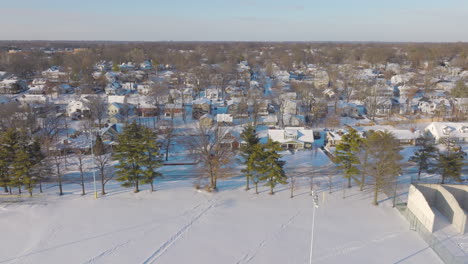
(94, 163)
(313, 225)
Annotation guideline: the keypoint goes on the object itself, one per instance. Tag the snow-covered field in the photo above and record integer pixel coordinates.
(177, 224)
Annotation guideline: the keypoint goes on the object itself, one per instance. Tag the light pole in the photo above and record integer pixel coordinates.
(94, 162)
(313, 225)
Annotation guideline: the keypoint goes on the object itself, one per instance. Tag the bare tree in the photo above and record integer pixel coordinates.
(102, 162)
(57, 162)
(168, 135)
(292, 182)
(207, 148)
(159, 92)
(80, 156)
(97, 108)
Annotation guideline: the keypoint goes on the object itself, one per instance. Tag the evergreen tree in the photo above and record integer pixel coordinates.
(346, 155)
(384, 160)
(21, 170)
(115, 68)
(251, 140)
(460, 90)
(153, 159)
(138, 156)
(9, 141)
(270, 167)
(450, 162)
(99, 148)
(424, 154)
(255, 158)
(6, 148)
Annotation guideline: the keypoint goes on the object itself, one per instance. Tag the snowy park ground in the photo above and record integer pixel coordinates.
(177, 224)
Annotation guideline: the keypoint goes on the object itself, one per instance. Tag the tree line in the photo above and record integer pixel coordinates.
(376, 156)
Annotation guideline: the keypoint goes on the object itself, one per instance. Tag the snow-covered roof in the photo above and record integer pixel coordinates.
(202, 100)
(291, 134)
(448, 129)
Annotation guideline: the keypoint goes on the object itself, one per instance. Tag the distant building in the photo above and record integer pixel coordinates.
(55, 74)
(12, 86)
(292, 137)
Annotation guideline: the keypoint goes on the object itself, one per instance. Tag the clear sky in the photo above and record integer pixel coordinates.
(235, 20)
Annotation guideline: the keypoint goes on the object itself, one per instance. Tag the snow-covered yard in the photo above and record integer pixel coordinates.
(177, 224)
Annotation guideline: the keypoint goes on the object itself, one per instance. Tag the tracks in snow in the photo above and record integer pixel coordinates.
(250, 255)
(173, 239)
(107, 252)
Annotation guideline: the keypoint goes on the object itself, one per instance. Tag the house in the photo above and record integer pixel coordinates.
(384, 106)
(353, 110)
(238, 109)
(206, 120)
(333, 137)
(109, 133)
(293, 120)
(229, 141)
(461, 105)
(440, 131)
(288, 107)
(212, 94)
(77, 108)
(122, 109)
(200, 107)
(292, 137)
(113, 88)
(434, 106)
(55, 74)
(146, 65)
(172, 110)
(144, 88)
(187, 95)
(225, 119)
(33, 99)
(270, 120)
(127, 66)
(12, 86)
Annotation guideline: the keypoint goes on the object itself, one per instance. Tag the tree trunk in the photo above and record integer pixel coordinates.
(59, 176)
(419, 173)
(443, 179)
(5, 188)
(167, 151)
(9, 189)
(152, 186)
(60, 185)
(256, 187)
(19, 189)
(40, 187)
(349, 182)
(136, 187)
(103, 184)
(30, 189)
(376, 194)
(82, 184)
(271, 187)
(247, 182)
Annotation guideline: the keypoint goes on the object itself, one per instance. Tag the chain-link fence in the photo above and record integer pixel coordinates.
(435, 243)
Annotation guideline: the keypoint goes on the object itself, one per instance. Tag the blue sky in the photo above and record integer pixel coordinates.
(241, 20)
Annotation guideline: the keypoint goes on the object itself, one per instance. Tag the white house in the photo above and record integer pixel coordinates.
(77, 108)
(144, 88)
(292, 137)
(212, 94)
(55, 74)
(224, 118)
(448, 130)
